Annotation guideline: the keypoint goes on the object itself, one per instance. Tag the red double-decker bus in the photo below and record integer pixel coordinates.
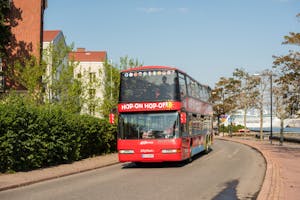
(164, 115)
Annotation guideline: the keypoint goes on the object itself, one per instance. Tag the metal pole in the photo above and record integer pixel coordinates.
(271, 108)
(111, 80)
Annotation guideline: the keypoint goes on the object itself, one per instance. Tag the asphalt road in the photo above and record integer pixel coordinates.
(229, 171)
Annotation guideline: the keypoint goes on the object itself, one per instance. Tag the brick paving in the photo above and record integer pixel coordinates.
(282, 178)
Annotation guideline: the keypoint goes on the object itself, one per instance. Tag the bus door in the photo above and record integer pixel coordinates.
(186, 140)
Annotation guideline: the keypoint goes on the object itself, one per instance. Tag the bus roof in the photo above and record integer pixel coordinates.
(151, 67)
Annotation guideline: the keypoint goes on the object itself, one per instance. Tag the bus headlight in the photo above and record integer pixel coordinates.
(126, 151)
(171, 151)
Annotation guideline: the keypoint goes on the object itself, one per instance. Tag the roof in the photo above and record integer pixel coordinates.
(87, 56)
(49, 36)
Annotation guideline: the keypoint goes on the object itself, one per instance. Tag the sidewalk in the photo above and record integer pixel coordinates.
(9, 181)
(282, 178)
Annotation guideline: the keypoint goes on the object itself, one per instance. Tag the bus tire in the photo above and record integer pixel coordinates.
(190, 159)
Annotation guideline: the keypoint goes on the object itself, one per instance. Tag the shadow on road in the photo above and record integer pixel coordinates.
(162, 164)
(229, 192)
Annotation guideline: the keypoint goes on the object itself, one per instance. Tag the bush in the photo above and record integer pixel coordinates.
(233, 128)
(38, 136)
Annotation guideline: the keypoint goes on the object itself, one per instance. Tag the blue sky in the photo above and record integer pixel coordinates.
(207, 39)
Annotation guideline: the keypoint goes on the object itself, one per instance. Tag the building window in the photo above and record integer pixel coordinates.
(92, 77)
(92, 93)
(92, 109)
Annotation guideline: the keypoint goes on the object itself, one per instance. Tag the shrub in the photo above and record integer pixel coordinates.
(38, 136)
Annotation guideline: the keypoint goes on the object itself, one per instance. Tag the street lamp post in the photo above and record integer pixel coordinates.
(271, 107)
(271, 103)
(111, 63)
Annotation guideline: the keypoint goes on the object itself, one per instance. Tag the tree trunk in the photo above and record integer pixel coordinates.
(245, 121)
(281, 132)
(261, 123)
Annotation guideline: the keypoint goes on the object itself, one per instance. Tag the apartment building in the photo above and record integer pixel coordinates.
(56, 57)
(90, 70)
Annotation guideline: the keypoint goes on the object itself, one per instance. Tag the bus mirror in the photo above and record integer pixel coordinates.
(183, 118)
(111, 118)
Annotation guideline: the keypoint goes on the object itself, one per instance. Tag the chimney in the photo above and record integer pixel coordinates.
(80, 49)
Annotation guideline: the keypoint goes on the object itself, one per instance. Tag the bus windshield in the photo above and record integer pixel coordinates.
(150, 85)
(149, 125)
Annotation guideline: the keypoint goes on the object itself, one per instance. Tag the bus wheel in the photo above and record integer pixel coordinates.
(190, 158)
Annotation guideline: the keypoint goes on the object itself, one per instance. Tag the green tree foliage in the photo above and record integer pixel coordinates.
(68, 90)
(60, 86)
(126, 63)
(111, 90)
(29, 74)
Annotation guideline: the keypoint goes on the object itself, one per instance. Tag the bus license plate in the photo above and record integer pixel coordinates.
(147, 155)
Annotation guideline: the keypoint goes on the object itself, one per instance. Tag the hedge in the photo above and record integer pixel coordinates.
(39, 136)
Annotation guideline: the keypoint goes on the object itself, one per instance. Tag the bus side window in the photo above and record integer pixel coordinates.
(182, 86)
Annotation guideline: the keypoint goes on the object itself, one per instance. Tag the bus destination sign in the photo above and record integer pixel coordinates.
(148, 106)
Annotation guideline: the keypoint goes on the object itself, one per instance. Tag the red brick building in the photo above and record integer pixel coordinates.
(26, 21)
(29, 30)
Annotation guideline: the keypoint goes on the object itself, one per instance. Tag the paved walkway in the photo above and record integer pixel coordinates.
(282, 179)
(9, 181)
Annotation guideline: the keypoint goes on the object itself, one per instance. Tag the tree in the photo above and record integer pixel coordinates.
(290, 67)
(281, 106)
(29, 74)
(68, 89)
(224, 96)
(288, 80)
(111, 89)
(247, 97)
(126, 62)
(5, 28)
(61, 88)
(263, 81)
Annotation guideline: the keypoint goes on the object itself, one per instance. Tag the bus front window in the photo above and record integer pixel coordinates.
(152, 85)
(149, 126)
